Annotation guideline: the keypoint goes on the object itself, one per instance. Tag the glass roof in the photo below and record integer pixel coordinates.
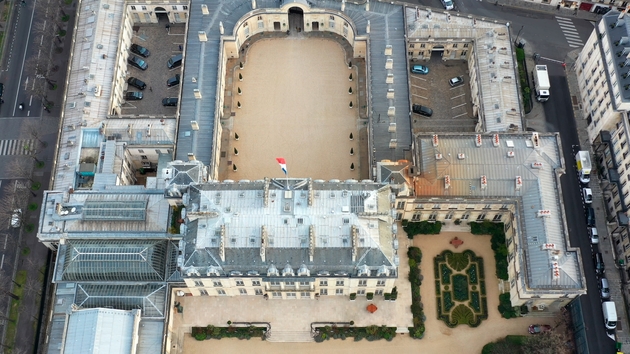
(149, 298)
(115, 210)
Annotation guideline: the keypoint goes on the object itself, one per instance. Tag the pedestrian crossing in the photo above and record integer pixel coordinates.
(16, 147)
(569, 31)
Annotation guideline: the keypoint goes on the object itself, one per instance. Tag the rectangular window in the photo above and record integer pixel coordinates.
(291, 295)
(400, 205)
(185, 7)
(220, 291)
(305, 295)
(203, 292)
(339, 292)
(260, 18)
(274, 283)
(255, 282)
(361, 292)
(449, 216)
(454, 45)
(198, 283)
(144, 157)
(465, 216)
(323, 291)
(133, 7)
(242, 291)
(339, 283)
(240, 283)
(380, 283)
(140, 151)
(323, 283)
(304, 283)
(481, 217)
(217, 284)
(362, 282)
(289, 283)
(259, 292)
(378, 292)
(276, 295)
(144, 8)
(497, 217)
(174, 7)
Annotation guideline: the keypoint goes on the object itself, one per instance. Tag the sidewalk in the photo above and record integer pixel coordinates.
(563, 11)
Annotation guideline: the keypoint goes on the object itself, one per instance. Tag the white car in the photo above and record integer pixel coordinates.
(587, 194)
(16, 218)
(594, 235)
(448, 4)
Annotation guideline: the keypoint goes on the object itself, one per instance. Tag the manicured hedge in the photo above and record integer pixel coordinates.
(358, 333)
(505, 306)
(496, 231)
(417, 331)
(212, 332)
(422, 228)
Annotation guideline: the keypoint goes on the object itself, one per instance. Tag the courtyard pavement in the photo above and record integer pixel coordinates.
(294, 104)
(294, 315)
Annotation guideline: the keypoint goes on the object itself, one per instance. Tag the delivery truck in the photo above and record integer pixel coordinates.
(583, 160)
(541, 83)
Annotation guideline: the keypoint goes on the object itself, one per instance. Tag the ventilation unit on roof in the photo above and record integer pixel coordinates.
(537, 165)
(461, 156)
(438, 156)
(484, 182)
(447, 181)
(495, 140)
(478, 140)
(543, 213)
(436, 141)
(510, 154)
(519, 182)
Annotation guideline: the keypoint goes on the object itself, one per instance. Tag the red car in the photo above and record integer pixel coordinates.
(537, 329)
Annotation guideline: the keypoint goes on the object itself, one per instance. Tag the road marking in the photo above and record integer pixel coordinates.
(463, 104)
(570, 32)
(459, 115)
(419, 96)
(419, 87)
(454, 97)
(15, 147)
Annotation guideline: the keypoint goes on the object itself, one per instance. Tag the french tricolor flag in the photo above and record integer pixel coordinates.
(283, 164)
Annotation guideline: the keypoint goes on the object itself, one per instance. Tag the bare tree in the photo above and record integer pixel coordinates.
(551, 342)
(21, 169)
(35, 129)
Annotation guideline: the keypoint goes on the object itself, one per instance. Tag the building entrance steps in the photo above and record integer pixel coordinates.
(290, 336)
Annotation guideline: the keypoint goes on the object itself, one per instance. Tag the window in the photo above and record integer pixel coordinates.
(144, 157)
(465, 216)
(304, 283)
(422, 45)
(449, 216)
(433, 216)
(274, 283)
(291, 295)
(323, 291)
(454, 45)
(259, 292)
(332, 18)
(289, 283)
(140, 151)
(465, 45)
(240, 283)
(276, 295)
(185, 7)
(380, 283)
(362, 282)
(481, 217)
(400, 205)
(378, 292)
(416, 217)
(242, 291)
(339, 292)
(203, 292)
(133, 7)
(144, 8)
(497, 217)
(174, 7)
(339, 283)
(217, 284)
(361, 292)
(436, 206)
(411, 46)
(255, 282)
(220, 291)
(323, 283)
(305, 295)
(260, 18)
(198, 283)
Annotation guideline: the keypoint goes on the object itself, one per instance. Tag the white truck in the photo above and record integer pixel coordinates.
(610, 315)
(583, 160)
(541, 83)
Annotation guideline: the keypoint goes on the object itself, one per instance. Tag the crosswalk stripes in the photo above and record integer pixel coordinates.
(16, 147)
(570, 33)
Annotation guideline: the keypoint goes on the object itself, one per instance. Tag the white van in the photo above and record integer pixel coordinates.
(610, 314)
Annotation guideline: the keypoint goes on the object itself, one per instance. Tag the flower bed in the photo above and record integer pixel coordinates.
(460, 292)
(212, 332)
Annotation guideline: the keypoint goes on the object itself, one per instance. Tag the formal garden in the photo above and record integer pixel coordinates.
(460, 288)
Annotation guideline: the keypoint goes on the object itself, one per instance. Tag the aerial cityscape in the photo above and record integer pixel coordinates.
(314, 176)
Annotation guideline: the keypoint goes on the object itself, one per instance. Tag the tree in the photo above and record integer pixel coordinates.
(35, 129)
(550, 342)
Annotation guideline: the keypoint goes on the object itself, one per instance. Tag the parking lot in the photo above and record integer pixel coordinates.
(163, 44)
(452, 107)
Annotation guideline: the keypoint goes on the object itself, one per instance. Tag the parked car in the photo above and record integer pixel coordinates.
(133, 96)
(456, 81)
(590, 216)
(598, 263)
(140, 50)
(175, 61)
(137, 62)
(448, 4)
(174, 81)
(587, 194)
(604, 291)
(16, 218)
(137, 83)
(419, 69)
(594, 235)
(423, 110)
(1, 89)
(538, 328)
(169, 101)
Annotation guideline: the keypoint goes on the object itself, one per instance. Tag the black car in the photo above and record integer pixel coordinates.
(598, 263)
(590, 216)
(140, 50)
(133, 96)
(169, 101)
(174, 81)
(137, 62)
(1, 89)
(137, 83)
(423, 110)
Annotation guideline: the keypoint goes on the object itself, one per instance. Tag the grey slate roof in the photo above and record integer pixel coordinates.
(235, 214)
(100, 331)
(201, 61)
(539, 191)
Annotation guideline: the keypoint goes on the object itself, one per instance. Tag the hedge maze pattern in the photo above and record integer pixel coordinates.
(460, 288)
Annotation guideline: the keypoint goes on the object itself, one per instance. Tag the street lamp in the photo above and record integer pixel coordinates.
(517, 35)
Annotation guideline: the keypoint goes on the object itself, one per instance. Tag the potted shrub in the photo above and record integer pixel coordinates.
(240, 92)
(387, 296)
(370, 296)
(350, 90)
(350, 78)
(238, 104)
(240, 65)
(394, 294)
(353, 296)
(240, 77)
(351, 105)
